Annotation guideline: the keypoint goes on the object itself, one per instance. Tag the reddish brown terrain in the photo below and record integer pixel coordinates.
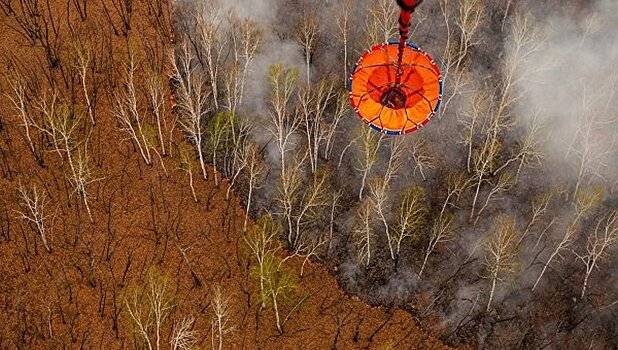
(146, 233)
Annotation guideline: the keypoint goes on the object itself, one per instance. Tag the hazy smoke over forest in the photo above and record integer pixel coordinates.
(571, 81)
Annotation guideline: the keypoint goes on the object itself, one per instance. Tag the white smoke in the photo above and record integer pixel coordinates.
(570, 82)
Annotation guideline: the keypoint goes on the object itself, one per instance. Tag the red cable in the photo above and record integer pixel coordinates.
(407, 7)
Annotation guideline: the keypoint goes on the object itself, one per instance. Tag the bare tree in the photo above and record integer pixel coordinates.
(220, 324)
(183, 336)
(340, 112)
(156, 103)
(308, 248)
(370, 144)
(500, 185)
(280, 284)
(411, 216)
(20, 101)
(422, 157)
(456, 184)
(127, 111)
(313, 104)
(363, 233)
(83, 61)
(246, 39)
(218, 130)
(485, 157)
(289, 192)
(343, 24)
(589, 152)
(307, 37)
(275, 282)
(333, 209)
(379, 190)
(208, 20)
(501, 254)
(34, 210)
(242, 151)
(60, 124)
(283, 123)
(598, 244)
(301, 208)
(191, 101)
(186, 163)
(529, 149)
(255, 170)
(585, 202)
(539, 207)
(379, 25)
(149, 306)
(312, 201)
(486, 154)
(441, 233)
(82, 177)
(461, 35)
(262, 242)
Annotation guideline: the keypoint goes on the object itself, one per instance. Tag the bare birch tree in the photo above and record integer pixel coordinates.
(498, 186)
(61, 125)
(456, 184)
(585, 202)
(283, 122)
(340, 112)
(83, 61)
(288, 193)
(20, 100)
(210, 37)
(370, 144)
(313, 104)
(191, 101)
(149, 305)
(539, 208)
(501, 254)
(528, 149)
(411, 216)
(127, 111)
(462, 30)
(183, 336)
(344, 24)
(186, 163)
(590, 153)
(156, 103)
(82, 177)
(379, 25)
(363, 233)
(220, 324)
(441, 233)
(379, 190)
(34, 210)
(598, 244)
(254, 172)
(262, 242)
(421, 154)
(310, 205)
(307, 36)
(246, 39)
(276, 283)
(218, 132)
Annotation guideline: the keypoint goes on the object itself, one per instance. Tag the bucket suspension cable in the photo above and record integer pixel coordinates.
(405, 17)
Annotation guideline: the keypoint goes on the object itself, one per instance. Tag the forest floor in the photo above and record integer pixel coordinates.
(143, 220)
